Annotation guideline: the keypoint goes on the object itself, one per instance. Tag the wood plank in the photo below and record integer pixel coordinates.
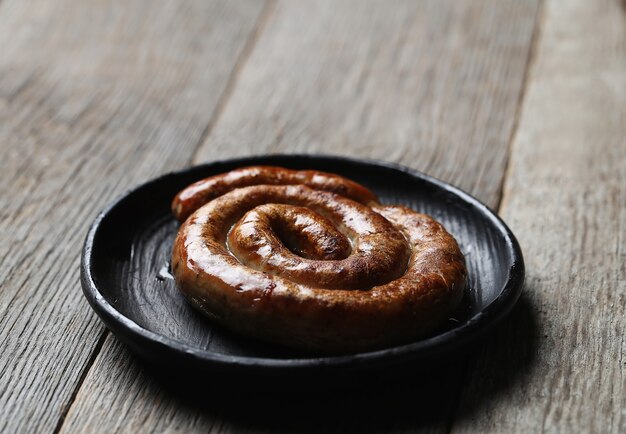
(120, 394)
(95, 97)
(433, 84)
(560, 367)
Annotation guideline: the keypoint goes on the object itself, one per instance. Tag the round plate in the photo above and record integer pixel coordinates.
(125, 277)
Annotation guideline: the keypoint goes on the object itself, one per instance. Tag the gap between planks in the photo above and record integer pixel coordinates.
(242, 59)
(499, 206)
(83, 375)
(540, 18)
(259, 27)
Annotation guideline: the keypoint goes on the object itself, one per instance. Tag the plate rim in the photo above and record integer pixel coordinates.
(433, 346)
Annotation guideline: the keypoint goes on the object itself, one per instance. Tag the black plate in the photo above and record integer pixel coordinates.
(125, 275)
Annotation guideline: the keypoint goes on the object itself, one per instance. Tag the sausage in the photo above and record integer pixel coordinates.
(313, 269)
(205, 190)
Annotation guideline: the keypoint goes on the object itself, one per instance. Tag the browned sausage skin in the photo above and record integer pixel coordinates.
(203, 191)
(315, 270)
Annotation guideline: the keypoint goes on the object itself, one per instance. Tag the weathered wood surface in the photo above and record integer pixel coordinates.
(98, 97)
(430, 84)
(95, 97)
(434, 85)
(564, 367)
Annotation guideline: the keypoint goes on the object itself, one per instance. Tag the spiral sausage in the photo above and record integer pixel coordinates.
(315, 270)
(205, 190)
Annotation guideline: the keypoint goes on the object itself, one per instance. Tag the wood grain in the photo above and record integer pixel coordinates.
(434, 85)
(122, 394)
(565, 198)
(431, 84)
(95, 97)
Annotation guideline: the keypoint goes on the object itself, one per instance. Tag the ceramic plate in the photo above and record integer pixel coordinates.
(125, 273)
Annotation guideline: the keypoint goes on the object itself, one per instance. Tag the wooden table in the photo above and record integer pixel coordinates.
(521, 103)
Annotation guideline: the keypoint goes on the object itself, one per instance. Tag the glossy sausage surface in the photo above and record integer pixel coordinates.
(205, 190)
(314, 270)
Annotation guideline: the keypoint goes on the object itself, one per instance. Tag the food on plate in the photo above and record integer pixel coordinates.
(313, 261)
